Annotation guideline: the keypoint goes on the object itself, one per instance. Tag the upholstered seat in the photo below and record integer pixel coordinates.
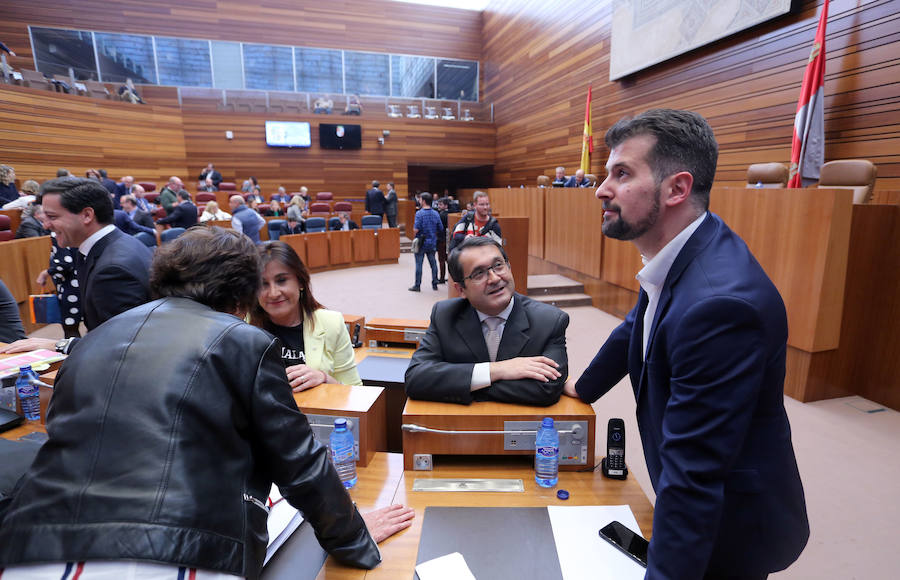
(543, 181)
(767, 175)
(854, 174)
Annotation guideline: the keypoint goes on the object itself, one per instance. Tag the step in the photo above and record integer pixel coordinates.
(563, 300)
(552, 284)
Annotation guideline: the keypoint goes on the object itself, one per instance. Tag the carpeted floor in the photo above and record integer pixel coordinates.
(843, 445)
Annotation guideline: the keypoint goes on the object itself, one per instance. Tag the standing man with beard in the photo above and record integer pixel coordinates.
(705, 349)
(492, 344)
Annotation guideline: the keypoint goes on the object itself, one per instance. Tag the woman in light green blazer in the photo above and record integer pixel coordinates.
(316, 346)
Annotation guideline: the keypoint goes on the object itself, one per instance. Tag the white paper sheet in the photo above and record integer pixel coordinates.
(450, 567)
(283, 520)
(582, 553)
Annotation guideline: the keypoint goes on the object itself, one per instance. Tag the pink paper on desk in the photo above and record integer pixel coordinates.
(10, 366)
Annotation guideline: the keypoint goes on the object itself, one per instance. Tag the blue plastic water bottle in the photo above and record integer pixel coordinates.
(546, 455)
(342, 452)
(29, 394)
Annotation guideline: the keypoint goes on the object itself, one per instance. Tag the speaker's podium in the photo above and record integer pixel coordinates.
(489, 428)
(362, 406)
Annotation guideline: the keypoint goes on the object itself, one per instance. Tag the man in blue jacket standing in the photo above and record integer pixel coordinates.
(705, 349)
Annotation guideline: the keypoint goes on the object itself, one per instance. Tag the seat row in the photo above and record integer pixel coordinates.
(857, 175)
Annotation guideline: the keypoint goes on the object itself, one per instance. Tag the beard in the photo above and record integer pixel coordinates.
(621, 229)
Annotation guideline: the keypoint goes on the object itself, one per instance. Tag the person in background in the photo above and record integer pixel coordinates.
(128, 93)
(375, 200)
(304, 195)
(390, 205)
(296, 208)
(250, 184)
(244, 219)
(184, 215)
(477, 222)
(212, 212)
(8, 191)
(124, 188)
(31, 225)
(209, 185)
(275, 209)
(705, 348)
(168, 195)
(108, 183)
(163, 470)
(11, 328)
(211, 173)
(560, 179)
(62, 272)
(344, 223)
(63, 172)
(27, 195)
(6, 49)
(578, 180)
(317, 347)
(281, 196)
(427, 228)
(141, 218)
(443, 211)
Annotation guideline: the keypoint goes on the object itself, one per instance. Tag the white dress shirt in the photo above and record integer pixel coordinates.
(481, 372)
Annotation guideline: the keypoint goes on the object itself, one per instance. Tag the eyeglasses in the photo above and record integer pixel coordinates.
(499, 268)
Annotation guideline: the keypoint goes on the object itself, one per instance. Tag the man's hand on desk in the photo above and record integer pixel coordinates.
(28, 344)
(569, 389)
(539, 368)
(387, 521)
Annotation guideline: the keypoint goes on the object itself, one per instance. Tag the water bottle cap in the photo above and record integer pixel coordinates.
(547, 422)
(562, 494)
(24, 368)
(340, 422)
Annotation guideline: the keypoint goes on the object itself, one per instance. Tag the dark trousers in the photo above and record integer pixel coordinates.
(442, 257)
(392, 220)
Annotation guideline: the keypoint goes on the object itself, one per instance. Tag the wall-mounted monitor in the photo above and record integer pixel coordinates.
(287, 134)
(333, 136)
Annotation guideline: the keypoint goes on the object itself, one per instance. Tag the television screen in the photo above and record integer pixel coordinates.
(340, 136)
(287, 134)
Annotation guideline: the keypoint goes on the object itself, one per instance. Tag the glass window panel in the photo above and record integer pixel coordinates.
(268, 68)
(318, 70)
(124, 56)
(412, 76)
(183, 62)
(457, 79)
(366, 73)
(57, 50)
(226, 61)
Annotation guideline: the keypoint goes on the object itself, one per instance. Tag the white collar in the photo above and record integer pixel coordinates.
(504, 314)
(85, 247)
(657, 268)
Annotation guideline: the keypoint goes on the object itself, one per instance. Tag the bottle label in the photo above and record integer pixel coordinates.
(548, 451)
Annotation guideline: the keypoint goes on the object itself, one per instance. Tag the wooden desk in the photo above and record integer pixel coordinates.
(393, 383)
(378, 487)
(393, 330)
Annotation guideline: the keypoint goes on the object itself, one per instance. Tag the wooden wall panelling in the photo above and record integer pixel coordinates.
(15, 217)
(572, 236)
(801, 239)
(43, 131)
(317, 251)
(528, 202)
(387, 243)
(367, 25)
(747, 85)
(621, 261)
(345, 173)
(515, 234)
(363, 246)
(298, 243)
(22, 260)
(340, 251)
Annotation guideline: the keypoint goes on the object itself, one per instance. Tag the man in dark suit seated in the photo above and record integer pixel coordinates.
(560, 179)
(113, 268)
(141, 218)
(343, 222)
(705, 348)
(578, 180)
(184, 215)
(492, 344)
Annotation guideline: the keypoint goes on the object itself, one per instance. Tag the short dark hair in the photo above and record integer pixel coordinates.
(184, 194)
(375, 183)
(77, 193)
(213, 266)
(62, 172)
(684, 142)
(453, 266)
(103, 173)
(426, 199)
(285, 255)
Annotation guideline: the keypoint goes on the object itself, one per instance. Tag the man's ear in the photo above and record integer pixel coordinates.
(460, 289)
(679, 190)
(87, 215)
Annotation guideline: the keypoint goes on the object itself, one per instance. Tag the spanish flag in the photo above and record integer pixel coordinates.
(808, 143)
(587, 145)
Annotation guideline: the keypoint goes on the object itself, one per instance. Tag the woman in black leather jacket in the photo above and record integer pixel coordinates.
(168, 426)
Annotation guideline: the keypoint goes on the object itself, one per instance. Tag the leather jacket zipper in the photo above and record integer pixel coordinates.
(256, 502)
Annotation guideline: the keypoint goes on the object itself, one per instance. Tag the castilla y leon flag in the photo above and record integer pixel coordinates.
(587, 145)
(808, 144)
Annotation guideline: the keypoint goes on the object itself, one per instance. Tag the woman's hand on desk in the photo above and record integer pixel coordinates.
(302, 377)
(387, 521)
(28, 344)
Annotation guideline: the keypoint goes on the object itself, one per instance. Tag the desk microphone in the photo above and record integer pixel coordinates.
(356, 342)
(613, 465)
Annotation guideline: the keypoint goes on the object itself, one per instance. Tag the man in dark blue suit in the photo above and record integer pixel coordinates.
(184, 215)
(705, 349)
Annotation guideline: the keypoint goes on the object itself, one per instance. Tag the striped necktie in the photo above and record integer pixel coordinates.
(492, 338)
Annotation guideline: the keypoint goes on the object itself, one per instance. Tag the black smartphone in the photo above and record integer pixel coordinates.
(628, 542)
